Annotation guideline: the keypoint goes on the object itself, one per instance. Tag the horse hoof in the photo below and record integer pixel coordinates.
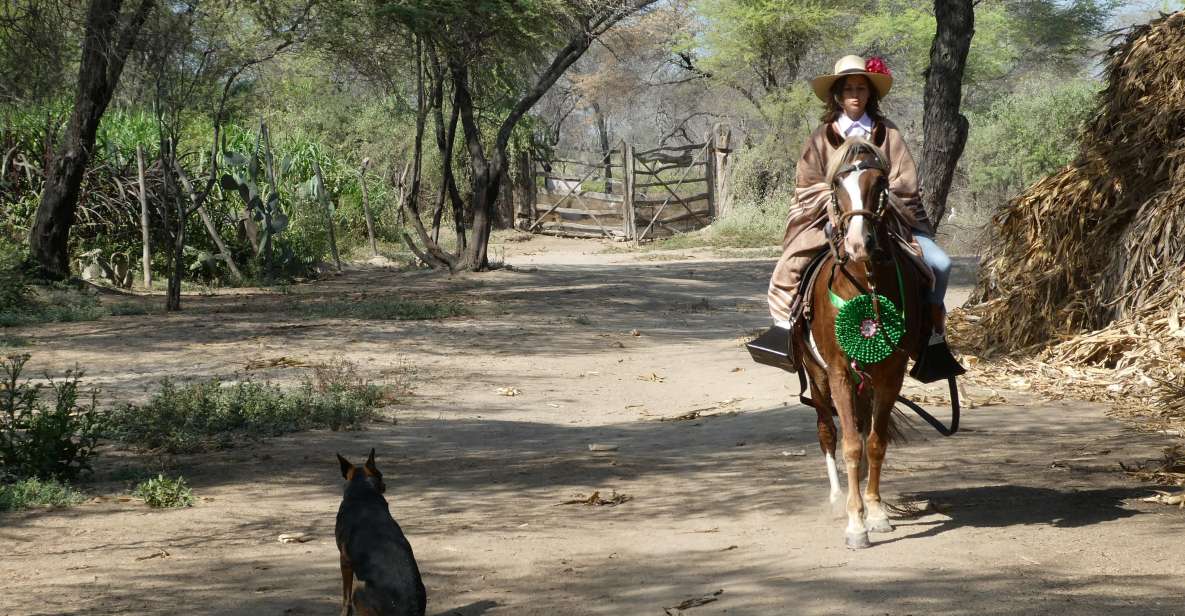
(857, 541)
(881, 525)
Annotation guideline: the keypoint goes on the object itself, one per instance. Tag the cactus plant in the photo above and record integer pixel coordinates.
(245, 178)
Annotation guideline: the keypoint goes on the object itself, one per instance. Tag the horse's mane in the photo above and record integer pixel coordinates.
(849, 151)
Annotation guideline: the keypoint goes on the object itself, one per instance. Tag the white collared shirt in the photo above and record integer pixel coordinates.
(854, 128)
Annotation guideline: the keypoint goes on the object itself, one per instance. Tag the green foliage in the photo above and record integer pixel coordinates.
(161, 492)
(15, 292)
(127, 309)
(211, 414)
(58, 302)
(748, 224)
(1025, 136)
(37, 440)
(768, 166)
(34, 492)
(383, 309)
(11, 342)
(1011, 38)
(758, 45)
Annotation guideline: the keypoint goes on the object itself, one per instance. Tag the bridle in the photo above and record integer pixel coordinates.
(841, 219)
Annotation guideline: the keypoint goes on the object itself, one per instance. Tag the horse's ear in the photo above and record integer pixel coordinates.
(879, 133)
(346, 466)
(370, 460)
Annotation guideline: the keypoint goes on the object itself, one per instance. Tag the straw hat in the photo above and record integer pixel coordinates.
(874, 69)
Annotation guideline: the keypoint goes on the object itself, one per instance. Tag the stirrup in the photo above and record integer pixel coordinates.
(936, 362)
(774, 348)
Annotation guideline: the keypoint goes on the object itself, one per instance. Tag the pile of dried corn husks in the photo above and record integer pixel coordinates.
(1086, 270)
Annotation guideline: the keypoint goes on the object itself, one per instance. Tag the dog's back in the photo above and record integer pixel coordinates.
(378, 553)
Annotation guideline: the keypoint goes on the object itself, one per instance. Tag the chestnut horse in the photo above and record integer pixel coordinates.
(866, 227)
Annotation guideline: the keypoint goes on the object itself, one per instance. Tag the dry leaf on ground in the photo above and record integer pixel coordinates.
(693, 602)
(595, 500)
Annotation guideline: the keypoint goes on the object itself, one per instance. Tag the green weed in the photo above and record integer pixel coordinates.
(160, 492)
(41, 440)
(35, 492)
(382, 309)
(122, 309)
(213, 414)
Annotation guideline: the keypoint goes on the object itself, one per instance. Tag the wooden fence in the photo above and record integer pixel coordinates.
(625, 194)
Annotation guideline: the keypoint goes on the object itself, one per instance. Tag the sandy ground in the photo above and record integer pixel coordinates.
(1031, 512)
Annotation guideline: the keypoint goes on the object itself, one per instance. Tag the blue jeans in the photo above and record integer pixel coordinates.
(939, 263)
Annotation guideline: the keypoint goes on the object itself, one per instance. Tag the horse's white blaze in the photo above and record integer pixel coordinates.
(833, 477)
(854, 240)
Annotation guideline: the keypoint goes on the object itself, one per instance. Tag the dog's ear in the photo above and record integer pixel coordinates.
(370, 461)
(346, 466)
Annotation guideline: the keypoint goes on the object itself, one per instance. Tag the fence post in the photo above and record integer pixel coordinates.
(629, 222)
(720, 199)
(710, 176)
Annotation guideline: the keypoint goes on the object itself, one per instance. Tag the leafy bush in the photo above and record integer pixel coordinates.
(748, 224)
(1025, 136)
(15, 293)
(383, 309)
(33, 492)
(127, 309)
(211, 414)
(12, 342)
(41, 441)
(19, 301)
(161, 492)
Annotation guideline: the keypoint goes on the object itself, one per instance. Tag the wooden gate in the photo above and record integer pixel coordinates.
(625, 194)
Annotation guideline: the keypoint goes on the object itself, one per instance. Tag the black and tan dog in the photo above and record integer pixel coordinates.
(379, 572)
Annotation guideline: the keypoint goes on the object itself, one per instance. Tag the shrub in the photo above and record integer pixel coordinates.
(37, 440)
(12, 341)
(161, 492)
(127, 309)
(15, 293)
(211, 414)
(1025, 136)
(19, 301)
(748, 224)
(384, 309)
(33, 492)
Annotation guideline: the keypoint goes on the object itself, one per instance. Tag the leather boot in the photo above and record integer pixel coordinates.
(935, 360)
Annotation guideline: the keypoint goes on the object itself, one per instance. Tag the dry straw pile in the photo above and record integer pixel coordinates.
(1087, 267)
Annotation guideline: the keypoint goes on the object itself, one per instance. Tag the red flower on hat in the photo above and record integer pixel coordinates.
(876, 64)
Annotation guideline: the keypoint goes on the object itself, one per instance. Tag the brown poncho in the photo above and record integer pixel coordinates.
(804, 235)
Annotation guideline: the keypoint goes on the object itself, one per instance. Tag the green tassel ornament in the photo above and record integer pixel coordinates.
(861, 336)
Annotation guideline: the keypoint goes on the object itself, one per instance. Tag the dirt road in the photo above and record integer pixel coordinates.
(1028, 514)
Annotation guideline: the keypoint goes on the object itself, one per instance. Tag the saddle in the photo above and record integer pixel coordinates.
(933, 360)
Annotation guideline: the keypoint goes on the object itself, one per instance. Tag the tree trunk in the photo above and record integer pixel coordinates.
(374, 248)
(944, 129)
(327, 205)
(432, 254)
(172, 196)
(603, 132)
(146, 253)
(104, 49)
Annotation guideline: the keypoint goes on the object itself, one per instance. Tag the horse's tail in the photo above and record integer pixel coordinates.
(901, 426)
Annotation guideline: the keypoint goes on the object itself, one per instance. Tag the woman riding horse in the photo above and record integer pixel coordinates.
(857, 195)
(851, 96)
